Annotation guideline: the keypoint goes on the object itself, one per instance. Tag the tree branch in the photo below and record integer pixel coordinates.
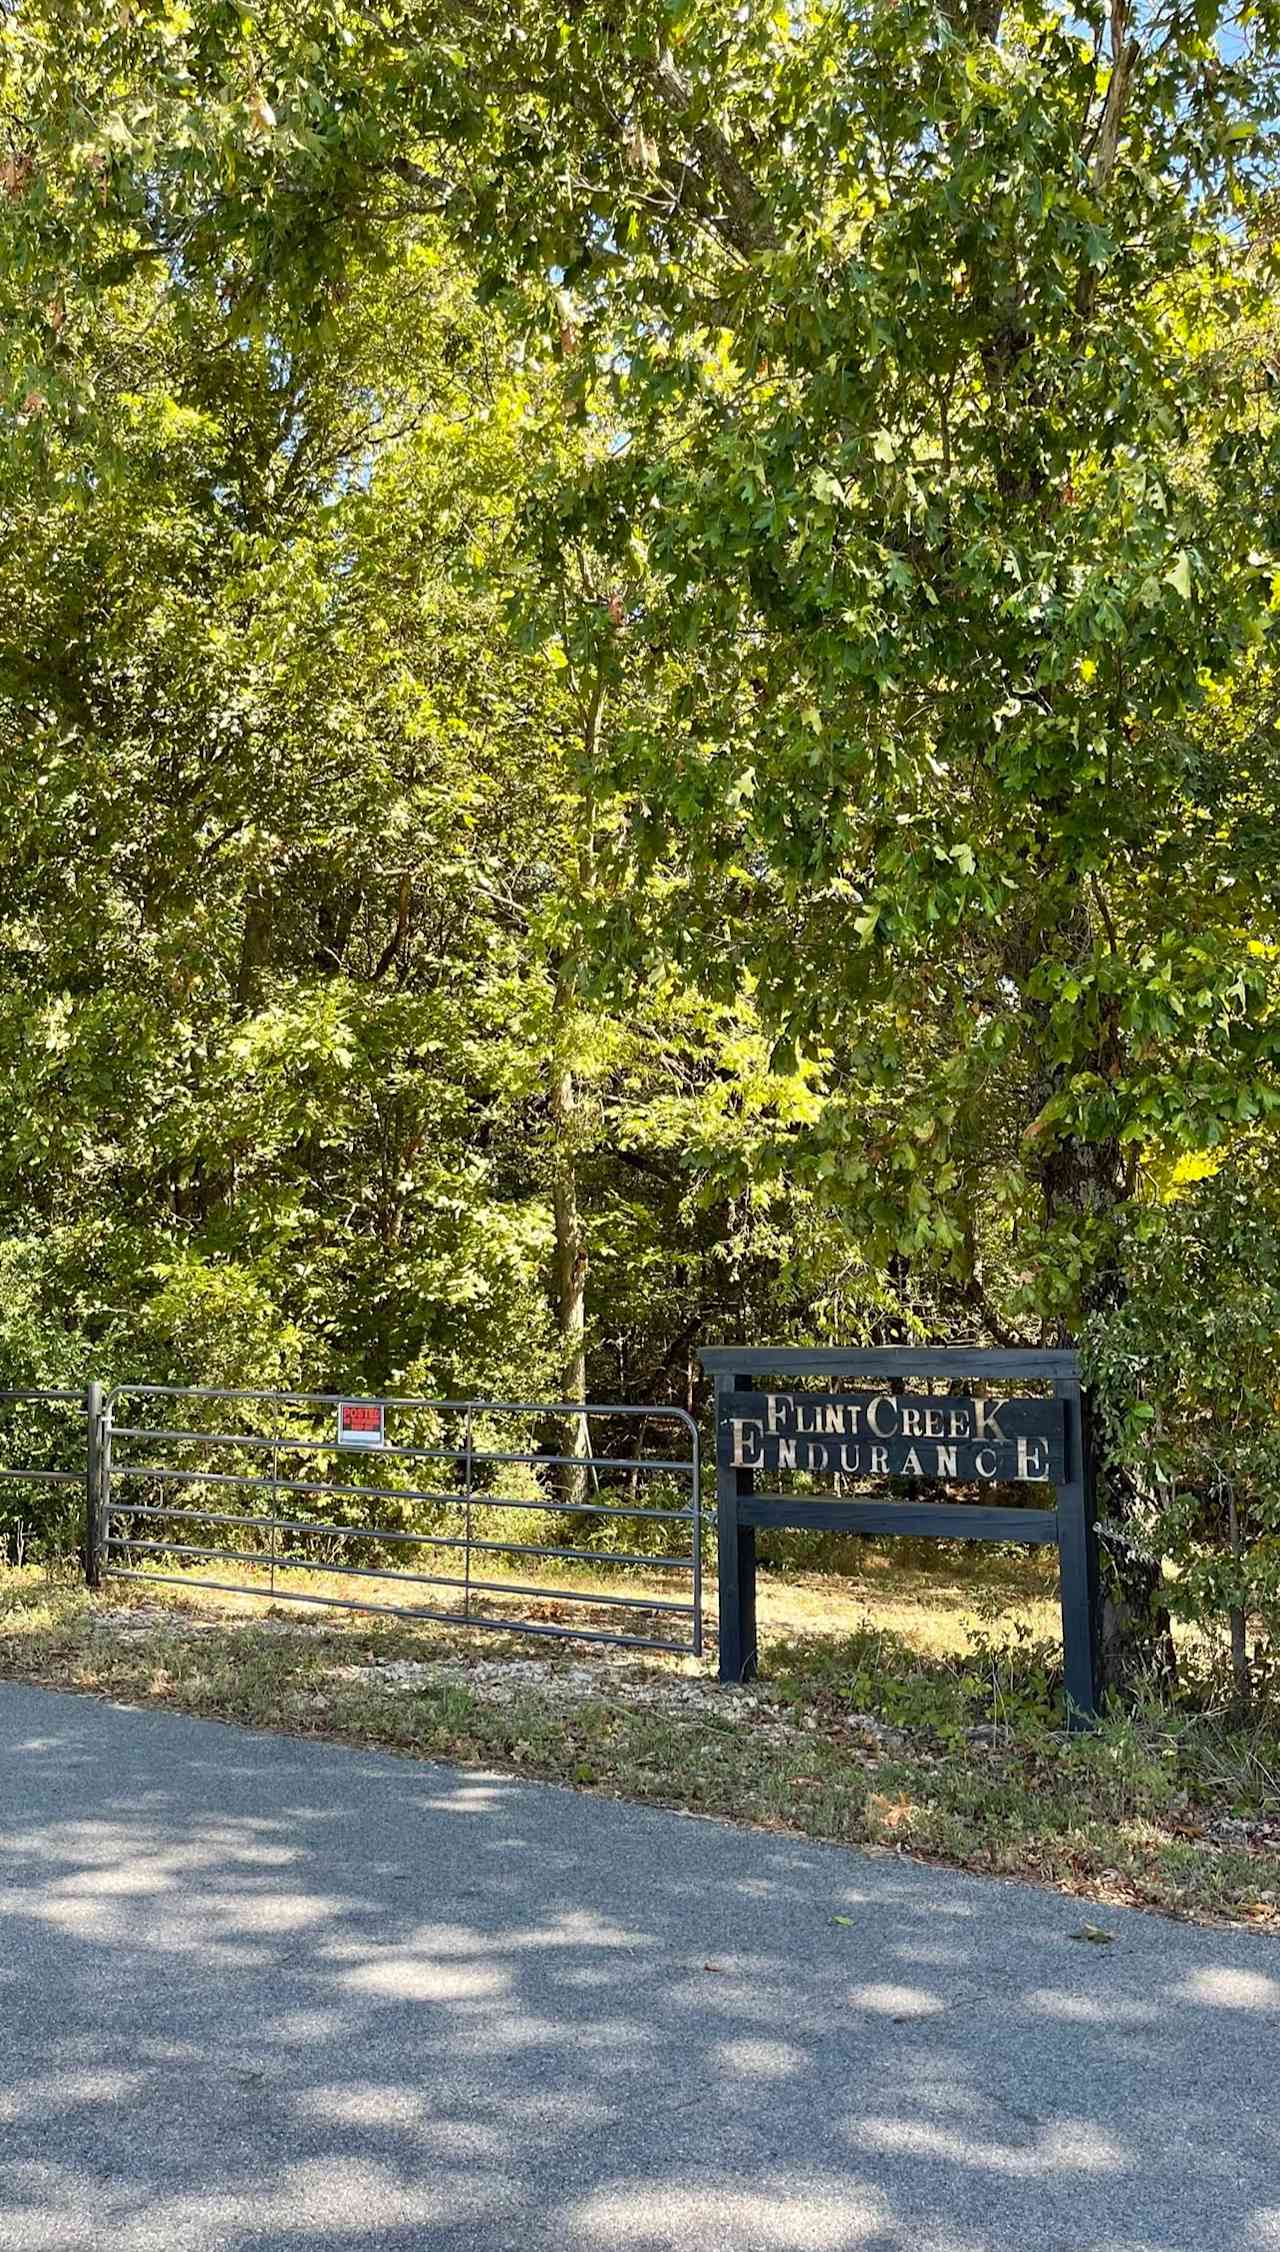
(744, 221)
(1105, 913)
(1125, 56)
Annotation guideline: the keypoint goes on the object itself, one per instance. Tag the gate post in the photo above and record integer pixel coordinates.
(736, 1546)
(93, 1486)
(1078, 1566)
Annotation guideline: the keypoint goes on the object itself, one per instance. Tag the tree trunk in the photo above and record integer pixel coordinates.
(1088, 1179)
(255, 946)
(1242, 1685)
(571, 1259)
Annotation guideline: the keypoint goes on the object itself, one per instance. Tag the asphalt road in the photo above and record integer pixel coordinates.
(257, 1994)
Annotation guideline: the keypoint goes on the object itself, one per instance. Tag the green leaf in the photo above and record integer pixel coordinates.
(1179, 577)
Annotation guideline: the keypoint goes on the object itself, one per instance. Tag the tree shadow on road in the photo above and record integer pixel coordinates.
(257, 1993)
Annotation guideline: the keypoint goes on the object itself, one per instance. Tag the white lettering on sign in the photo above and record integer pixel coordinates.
(1019, 1440)
(741, 1459)
(1033, 1458)
(361, 1423)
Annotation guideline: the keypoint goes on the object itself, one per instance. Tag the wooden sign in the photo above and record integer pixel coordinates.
(978, 1440)
(971, 1431)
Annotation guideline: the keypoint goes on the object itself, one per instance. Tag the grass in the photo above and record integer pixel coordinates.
(908, 1709)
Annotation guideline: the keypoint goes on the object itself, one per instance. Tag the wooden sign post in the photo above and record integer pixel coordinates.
(969, 1427)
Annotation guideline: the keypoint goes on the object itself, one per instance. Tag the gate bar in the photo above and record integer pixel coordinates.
(412, 1579)
(423, 1540)
(159, 1470)
(399, 1611)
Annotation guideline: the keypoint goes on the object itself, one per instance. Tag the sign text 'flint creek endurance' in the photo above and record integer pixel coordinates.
(897, 1435)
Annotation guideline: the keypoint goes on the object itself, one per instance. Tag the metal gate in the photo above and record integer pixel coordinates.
(47, 1438)
(262, 1494)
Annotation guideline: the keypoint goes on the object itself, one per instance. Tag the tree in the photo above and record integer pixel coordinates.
(1187, 1365)
(946, 462)
(290, 977)
(265, 1011)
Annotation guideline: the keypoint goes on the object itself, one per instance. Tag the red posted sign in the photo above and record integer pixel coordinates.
(361, 1423)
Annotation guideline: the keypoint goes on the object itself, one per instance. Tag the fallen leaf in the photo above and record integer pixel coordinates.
(890, 1814)
(1094, 1934)
(847, 1921)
